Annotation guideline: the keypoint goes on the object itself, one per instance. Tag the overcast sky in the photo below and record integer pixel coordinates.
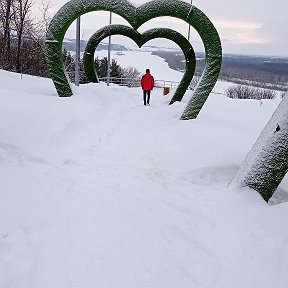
(246, 27)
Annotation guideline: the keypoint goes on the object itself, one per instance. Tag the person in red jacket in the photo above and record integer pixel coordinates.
(147, 83)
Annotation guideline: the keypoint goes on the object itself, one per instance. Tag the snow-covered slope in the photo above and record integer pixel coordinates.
(98, 190)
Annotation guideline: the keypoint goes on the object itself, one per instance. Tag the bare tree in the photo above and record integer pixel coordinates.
(131, 76)
(22, 9)
(249, 92)
(6, 15)
(43, 22)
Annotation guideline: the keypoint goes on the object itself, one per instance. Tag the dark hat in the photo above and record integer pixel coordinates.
(147, 70)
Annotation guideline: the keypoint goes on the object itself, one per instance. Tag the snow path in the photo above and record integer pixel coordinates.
(100, 191)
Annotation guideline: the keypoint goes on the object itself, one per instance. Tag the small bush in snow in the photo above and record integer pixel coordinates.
(283, 94)
(249, 92)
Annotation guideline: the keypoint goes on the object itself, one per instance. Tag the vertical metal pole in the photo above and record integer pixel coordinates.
(77, 59)
(109, 52)
(189, 25)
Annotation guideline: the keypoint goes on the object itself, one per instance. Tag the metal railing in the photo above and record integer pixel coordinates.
(136, 82)
(166, 83)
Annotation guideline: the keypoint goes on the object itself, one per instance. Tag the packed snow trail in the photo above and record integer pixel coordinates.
(98, 190)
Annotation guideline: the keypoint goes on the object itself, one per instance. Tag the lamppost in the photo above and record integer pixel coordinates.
(77, 60)
(189, 25)
(109, 52)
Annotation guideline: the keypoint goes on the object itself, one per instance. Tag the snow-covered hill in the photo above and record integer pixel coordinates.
(98, 190)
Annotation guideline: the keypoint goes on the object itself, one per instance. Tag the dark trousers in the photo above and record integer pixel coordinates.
(148, 92)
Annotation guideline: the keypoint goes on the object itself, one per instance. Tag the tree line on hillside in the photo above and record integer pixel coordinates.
(22, 43)
(249, 70)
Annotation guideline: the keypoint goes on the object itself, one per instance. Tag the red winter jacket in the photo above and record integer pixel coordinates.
(147, 82)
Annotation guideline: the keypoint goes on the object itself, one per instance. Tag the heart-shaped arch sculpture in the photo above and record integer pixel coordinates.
(136, 17)
(140, 40)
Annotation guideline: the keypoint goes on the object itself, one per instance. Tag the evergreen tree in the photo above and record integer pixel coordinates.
(69, 64)
(115, 71)
(103, 66)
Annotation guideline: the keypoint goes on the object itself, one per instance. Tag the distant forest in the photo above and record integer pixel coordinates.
(261, 71)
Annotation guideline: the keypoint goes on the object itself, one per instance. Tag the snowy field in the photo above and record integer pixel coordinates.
(99, 191)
